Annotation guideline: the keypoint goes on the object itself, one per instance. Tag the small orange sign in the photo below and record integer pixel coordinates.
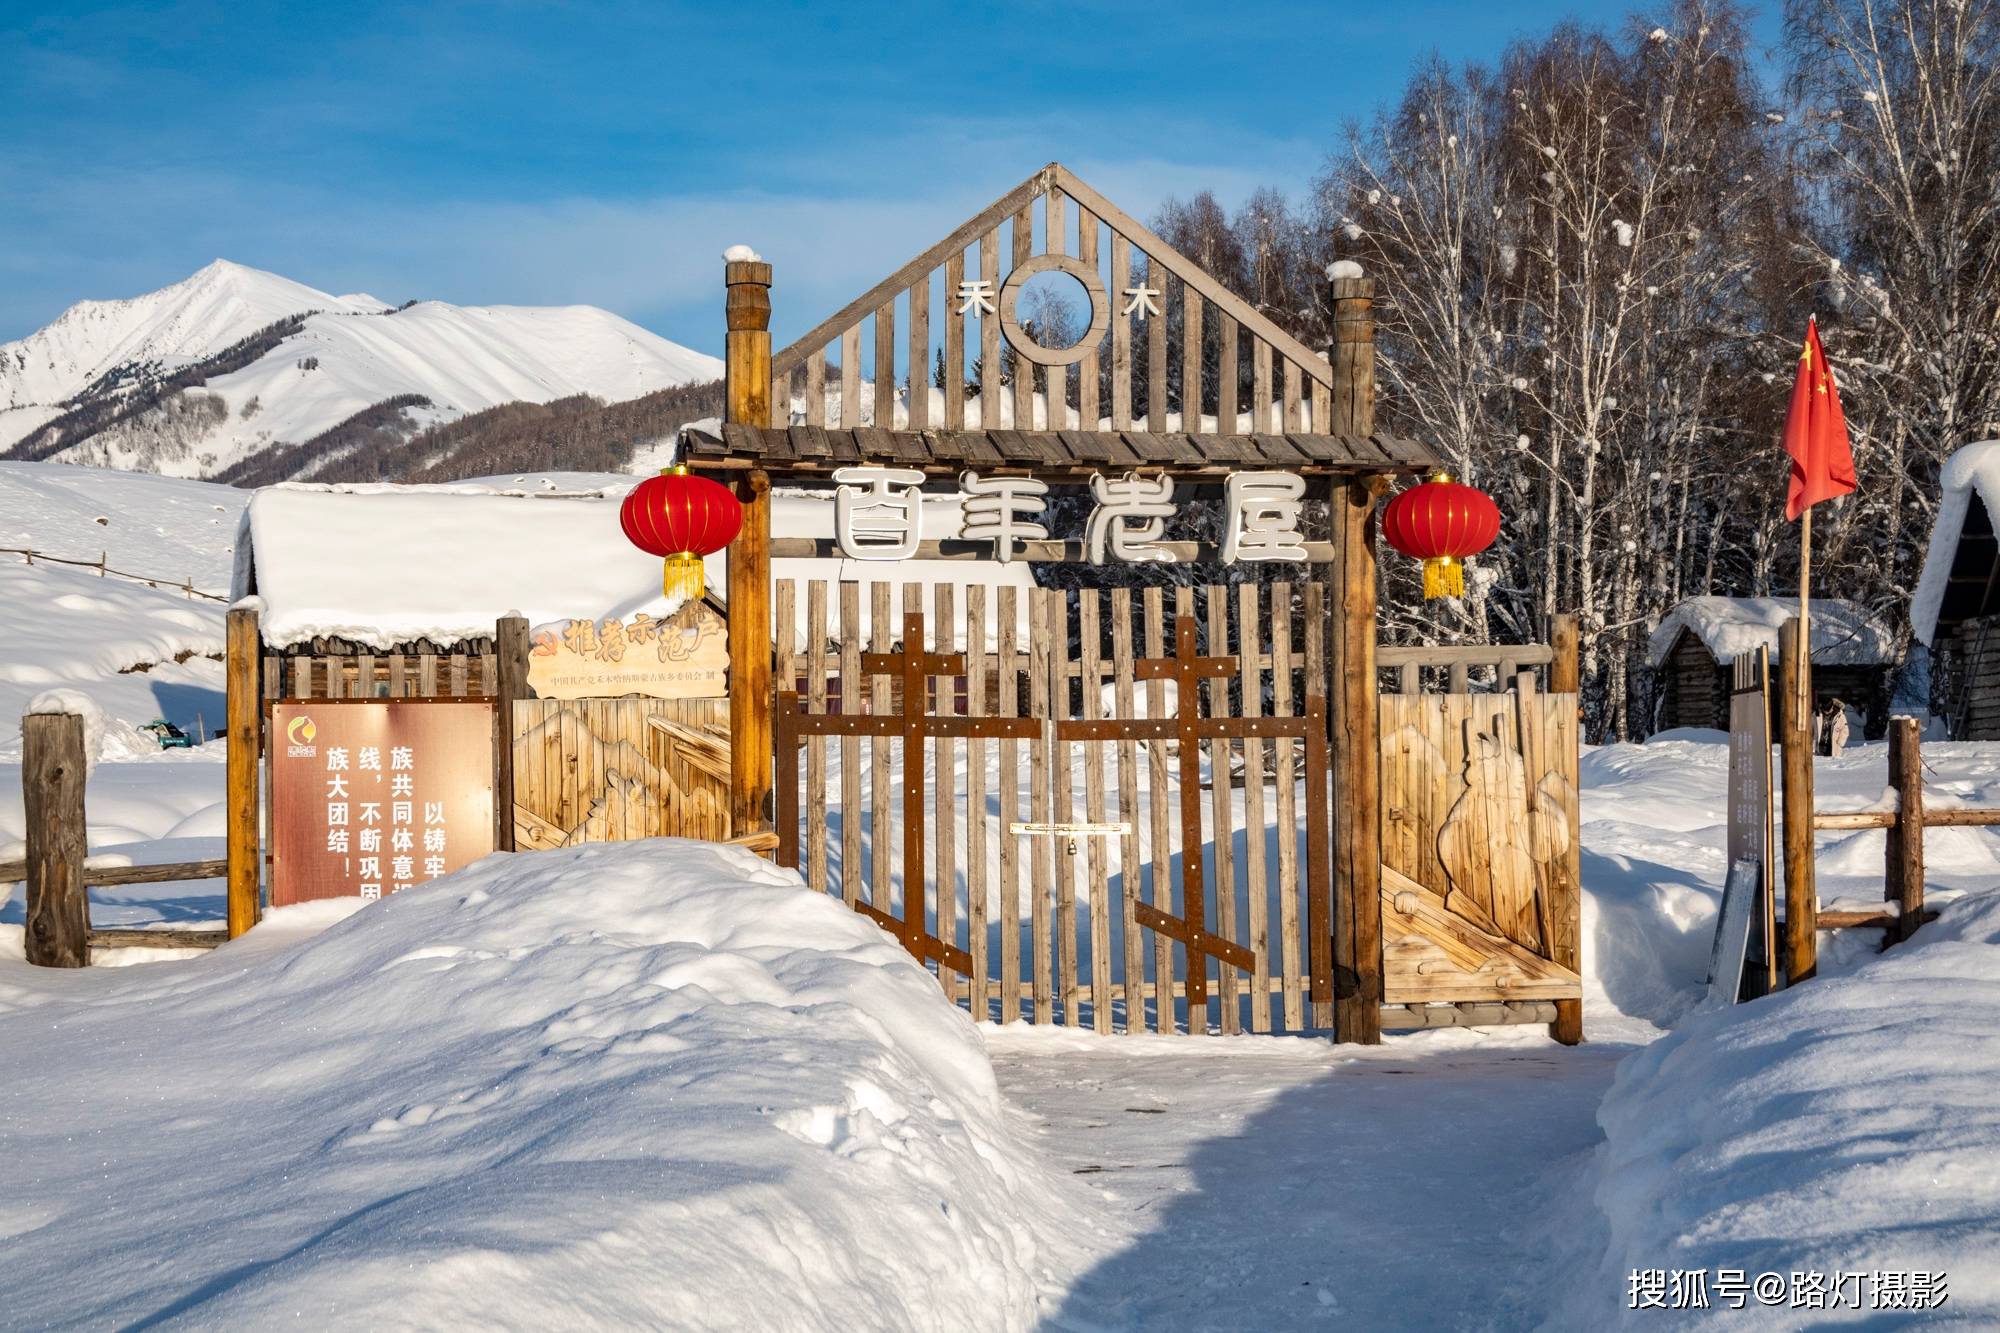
(372, 796)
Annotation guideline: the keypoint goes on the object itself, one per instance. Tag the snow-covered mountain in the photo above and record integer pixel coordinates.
(234, 361)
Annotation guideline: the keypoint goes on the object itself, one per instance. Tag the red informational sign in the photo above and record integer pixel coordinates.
(372, 796)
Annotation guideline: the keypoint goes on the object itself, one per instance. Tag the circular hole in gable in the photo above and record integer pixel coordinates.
(1054, 310)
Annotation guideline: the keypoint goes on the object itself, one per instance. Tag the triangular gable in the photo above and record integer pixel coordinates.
(1156, 319)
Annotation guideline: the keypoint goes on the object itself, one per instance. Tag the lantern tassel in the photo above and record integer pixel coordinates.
(1444, 576)
(681, 576)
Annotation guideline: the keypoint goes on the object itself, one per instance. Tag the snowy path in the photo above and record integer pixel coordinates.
(1272, 1183)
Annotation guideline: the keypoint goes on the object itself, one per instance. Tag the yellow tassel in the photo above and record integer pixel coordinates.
(682, 576)
(1444, 577)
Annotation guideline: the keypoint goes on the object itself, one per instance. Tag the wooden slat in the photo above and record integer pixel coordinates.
(1294, 418)
(989, 334)
(1220, 757)
(954, 352)
(1041, 850)
(1023, 232)
(816, 673)
(1226, 412)
(1055, 379)
(1191, 358)
(1285, 818)
(1156, 349)
(1319, 852)
(1257, 884)
(1062, 810)
(920, 354)
(1121, 334)
(1260, 386)
(881, 758)
(816, 387)
(1128, 812)
(850, 746)
(1159, 816)
(1006, 638)
(1089, 629)
(885, 365)
(978, 995)
(1086, 369)
(850, 377)
(945, 793)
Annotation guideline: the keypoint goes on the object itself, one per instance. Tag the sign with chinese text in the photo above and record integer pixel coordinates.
(1750, 806)
(369, 797)
(683, 656)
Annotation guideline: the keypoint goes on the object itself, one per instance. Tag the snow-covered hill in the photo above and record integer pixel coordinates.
(94, 386)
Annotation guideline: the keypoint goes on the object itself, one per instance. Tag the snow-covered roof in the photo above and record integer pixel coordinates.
(1973, 470)
(1843, 633)
(385, 564)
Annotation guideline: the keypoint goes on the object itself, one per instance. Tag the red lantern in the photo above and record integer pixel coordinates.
(680, 518)
(1440, 523)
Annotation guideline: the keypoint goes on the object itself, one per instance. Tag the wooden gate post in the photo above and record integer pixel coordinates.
(748, 384)
(510, 660)
(1354, 705)
(1795, 744)
(52, 778)
(245, 751)
(1904, 881)
(1566, 677)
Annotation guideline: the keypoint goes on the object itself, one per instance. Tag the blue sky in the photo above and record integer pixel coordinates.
(607, 153)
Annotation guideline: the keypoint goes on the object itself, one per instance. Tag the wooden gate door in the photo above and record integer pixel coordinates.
(998, 852)
(1480, 876)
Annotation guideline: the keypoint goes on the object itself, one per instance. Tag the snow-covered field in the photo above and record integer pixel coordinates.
(663, 1084)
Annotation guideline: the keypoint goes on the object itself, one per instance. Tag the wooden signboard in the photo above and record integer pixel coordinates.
(372, 796)
(684, 656)
(1750, 807)
(1729, 954)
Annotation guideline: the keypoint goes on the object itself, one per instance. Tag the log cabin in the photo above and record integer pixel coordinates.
(1853, 654)
(1955, 611)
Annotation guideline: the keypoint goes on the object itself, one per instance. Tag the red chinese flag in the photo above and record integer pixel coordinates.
(1816, 433)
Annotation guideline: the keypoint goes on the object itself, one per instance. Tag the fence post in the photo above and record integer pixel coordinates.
(1795, 744)
(1354, 702)
(53, 770)
(510, 656)
(245, 745)
(747, 376)
(1566, 677)
(1904, 881)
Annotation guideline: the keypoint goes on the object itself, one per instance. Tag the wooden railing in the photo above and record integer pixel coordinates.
(185, 586)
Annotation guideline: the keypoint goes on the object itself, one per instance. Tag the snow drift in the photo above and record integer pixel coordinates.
(653, 1084)
(1846, 1126)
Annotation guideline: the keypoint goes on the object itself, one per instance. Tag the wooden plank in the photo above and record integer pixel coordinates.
(1055, 379)
(157, 939)
(1023, 232)
(1159, 816)
(1128, 812)
(920, 354)
(850, 746)
(979, 225)
(1041, 850)
(1256, 879)
(54, 768)
(850, 377)
(989, 334)
(1227, 418)
(1009, 779)
(1260, 387)
(1191, 359)
(1221, 754)
(1293, 373)
(243, 754)
(1285, 819)
(954, 350)
(885, 365)
(979, 990)
(1121, 334)
(510, 639)
(1156, 350)
(427, 675)
(1089, 606)
(881, 752)
(945, 790)
(1062, 808)
(461, 673)
(816, 673)
(816, 388)
(1319, 850)
(1086, 370)
(1357, 883)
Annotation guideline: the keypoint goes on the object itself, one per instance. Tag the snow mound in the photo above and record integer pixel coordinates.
(645, 1084)
(1973, 470)
(1846, 1126)
(1843, 633)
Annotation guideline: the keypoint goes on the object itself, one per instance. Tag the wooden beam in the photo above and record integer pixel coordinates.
(1357, 796)
(1795, 745)
(510, 655)
(53, 770)
(1904, 882)
(749, 561)
(169, 873)
(157, 939)
(1566, 677)
(244, 754)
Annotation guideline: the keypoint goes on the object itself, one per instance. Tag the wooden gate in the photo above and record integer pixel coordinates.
(1106, 812)
(1481, 893)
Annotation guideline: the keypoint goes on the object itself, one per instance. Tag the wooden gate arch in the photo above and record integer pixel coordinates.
(1180, 381)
